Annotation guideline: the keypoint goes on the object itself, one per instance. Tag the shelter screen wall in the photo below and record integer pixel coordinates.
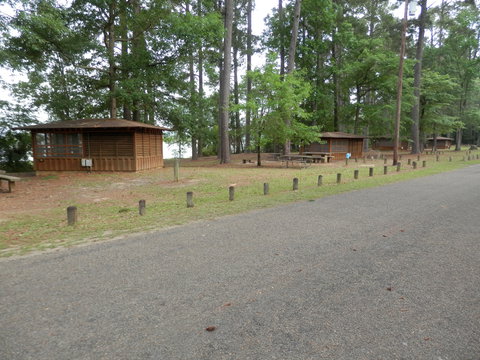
(339, 145)
(319, 147)
(58, 145)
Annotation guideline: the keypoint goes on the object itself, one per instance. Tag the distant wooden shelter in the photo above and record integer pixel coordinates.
(385, 143)
(96, 145)
(338, 144)
(442, 142)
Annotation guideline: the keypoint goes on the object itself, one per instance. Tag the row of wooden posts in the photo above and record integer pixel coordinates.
(72, 210)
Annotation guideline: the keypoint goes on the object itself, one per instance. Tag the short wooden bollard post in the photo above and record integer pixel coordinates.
(414, 164)
(438, 157)
(176, 168)
(295, 184)
(424, 163)
(385, 170)
(450, 158)
(71, 215)
(399, 166)
(370, 171)
(409, 162)
(384, 161)
(189, 199)
(356, 160)
(339, 178)
(418, 158)
(231, 193)
(346, 162)
(265, 189)
(355, 174)
(141, 207)
(320, 180)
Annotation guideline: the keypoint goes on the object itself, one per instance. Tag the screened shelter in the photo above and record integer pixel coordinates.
(96, 145)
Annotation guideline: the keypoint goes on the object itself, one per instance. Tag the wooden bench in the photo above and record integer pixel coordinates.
(318, 156)
(303, 161)
(11, 181)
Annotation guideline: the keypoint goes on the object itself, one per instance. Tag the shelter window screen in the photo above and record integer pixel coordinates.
(339, 145)
(58, 145)
(319, 147)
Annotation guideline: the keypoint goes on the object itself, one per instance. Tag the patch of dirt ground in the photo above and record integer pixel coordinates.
(36, 194)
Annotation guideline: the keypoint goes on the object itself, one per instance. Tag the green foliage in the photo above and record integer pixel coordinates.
(14, 151)
(273, 100)
(15, 147)
(347, 56)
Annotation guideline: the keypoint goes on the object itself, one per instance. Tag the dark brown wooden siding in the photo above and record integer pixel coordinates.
(441, 144)
(148, 150)
(108, 145)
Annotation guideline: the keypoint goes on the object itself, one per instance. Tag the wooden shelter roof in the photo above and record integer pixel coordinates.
(441, 138)
(92, 124)
(340, 135)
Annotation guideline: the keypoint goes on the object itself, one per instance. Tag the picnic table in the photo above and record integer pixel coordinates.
(275, 156)
(303, 160)
(320, 156)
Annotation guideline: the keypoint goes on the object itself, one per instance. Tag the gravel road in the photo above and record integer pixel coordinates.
(385, 273)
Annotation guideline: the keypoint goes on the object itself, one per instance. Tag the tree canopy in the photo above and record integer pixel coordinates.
(168, 62)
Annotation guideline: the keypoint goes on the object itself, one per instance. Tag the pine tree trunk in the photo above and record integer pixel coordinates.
(458, 140)
(127, 113)
(357, 109)
(417, 80)
(192, 104)
(282, 30)
(200, 87)
(248, 113)
(337, 97)
(238, 132)
(112, 81)
(291, 57)
(293, 40)
(225, 84)
(138, 45)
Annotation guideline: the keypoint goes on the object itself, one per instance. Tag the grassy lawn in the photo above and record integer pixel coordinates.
(209, 182)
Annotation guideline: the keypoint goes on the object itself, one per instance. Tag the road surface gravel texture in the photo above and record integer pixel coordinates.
(385, 273)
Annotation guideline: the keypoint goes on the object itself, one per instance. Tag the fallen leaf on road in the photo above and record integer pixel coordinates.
(211, 328)
(389, 288)
(426, 339)
(227, 304)
(384, 235)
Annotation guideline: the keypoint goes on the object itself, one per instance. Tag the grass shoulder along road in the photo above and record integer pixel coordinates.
(114, 212)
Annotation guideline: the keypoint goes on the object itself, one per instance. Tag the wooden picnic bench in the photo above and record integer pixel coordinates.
(11, 181)
(302, 160)
(318, 156)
